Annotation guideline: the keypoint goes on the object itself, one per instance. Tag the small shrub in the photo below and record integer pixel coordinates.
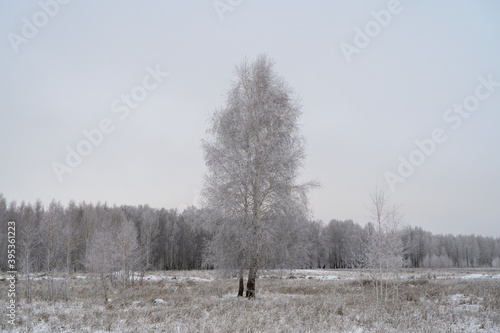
(340, 311)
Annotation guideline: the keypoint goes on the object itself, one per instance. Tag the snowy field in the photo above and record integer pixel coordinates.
(454, 300)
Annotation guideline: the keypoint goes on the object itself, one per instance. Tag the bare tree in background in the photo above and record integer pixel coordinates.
(128, 250)
(28, 242)
(394, 249)
(253, 159)
(89, 222)
(69, 235)
(51, 240)
(99, 256)
(385, 248)
(148, 233)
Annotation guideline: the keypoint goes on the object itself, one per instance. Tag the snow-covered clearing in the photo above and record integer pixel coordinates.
(308, 300)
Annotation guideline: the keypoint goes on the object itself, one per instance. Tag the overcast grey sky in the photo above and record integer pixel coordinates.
(372, 76)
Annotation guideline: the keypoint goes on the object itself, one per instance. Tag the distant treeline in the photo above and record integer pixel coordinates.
(140, 238)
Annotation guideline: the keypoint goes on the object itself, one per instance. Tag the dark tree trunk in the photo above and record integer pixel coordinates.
(242, 286)
(252, 275)
(251, 284)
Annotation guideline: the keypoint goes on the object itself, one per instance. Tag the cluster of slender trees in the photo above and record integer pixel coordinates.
(71, 237)
(342, 244)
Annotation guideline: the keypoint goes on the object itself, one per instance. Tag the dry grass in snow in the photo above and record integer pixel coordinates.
(287, 301)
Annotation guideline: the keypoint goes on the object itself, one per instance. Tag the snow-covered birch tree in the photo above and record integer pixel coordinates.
(28, 242)
(385, 246)
(253, 155)
(128, 250)
(69, 234)
(148, 232)
(52, 244)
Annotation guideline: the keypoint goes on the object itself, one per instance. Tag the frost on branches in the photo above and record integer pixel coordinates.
(254, 153)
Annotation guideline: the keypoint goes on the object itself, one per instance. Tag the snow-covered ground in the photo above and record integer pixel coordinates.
(310, 274)
(404, 274)
(304, 300)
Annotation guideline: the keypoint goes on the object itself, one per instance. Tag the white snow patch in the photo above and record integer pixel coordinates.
(195, 278)
(177, 278)
(154, 278)
(159, 301)
(474, 276)
(312, 271)
(457, 298)
(323, 277)
(46, 278)
(468, 302)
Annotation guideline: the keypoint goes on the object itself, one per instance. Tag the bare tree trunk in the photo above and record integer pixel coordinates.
(68, 272)
(242, 286)
(252, 275)
(29, 288)
(66, 291)
(103, 280)
(28, 274)
(379, 259)
(50, 282)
